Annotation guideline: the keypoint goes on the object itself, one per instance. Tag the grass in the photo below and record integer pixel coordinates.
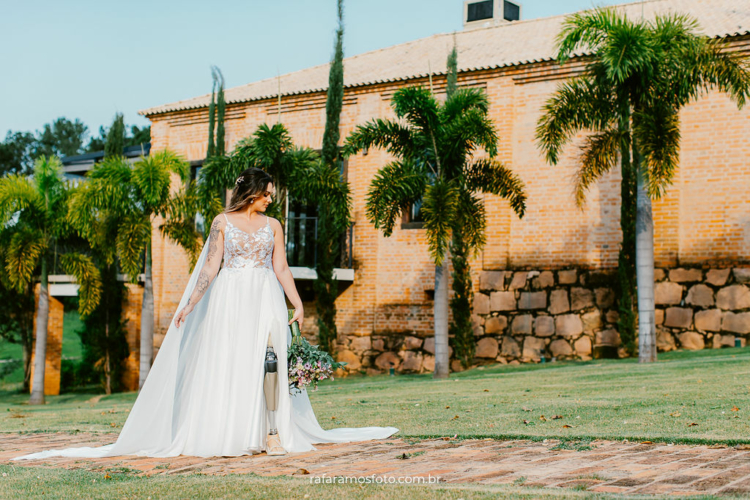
(43, 482)
(610, 399)
(603, 399)
(71, 349)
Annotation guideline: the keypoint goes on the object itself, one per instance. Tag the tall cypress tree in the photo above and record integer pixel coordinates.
(329, 230)
(115, 137)
(211, 121)
(452, 76)
(460, 330)
(221, 106)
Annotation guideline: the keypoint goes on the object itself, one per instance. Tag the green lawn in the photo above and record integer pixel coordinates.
(686, 397)
(616, 399)
(71, 348)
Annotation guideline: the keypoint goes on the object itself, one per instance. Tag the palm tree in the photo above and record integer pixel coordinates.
(16, 310)
(638, 78)
(36, 209)
(433, 146)
(271, 148)
(133, 195)
(103, 333)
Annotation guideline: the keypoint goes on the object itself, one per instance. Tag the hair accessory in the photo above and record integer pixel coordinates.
(239, 179)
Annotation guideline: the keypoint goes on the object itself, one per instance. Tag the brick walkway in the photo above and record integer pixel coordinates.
(628, 468)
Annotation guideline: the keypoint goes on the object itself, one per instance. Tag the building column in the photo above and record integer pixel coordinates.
(131, 311)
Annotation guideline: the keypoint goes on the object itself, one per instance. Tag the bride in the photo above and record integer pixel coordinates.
(204, 393)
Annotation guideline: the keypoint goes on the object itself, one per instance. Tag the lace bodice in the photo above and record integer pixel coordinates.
(245, 250)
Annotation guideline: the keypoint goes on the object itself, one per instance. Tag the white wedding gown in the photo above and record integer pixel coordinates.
(204, 393)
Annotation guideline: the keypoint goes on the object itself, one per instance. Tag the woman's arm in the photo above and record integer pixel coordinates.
(209, 270)
(283, 273)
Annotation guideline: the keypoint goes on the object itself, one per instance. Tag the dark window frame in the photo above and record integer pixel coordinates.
(478, 11)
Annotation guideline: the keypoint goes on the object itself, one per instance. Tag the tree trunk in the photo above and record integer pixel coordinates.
(147, 321)
(27, 338)
(442, 359)
(26, 369)
(626, 270)
(644, 260)
(40, 352)
(107, 368)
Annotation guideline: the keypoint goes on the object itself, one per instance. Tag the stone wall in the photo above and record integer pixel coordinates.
(524, 316)
(519, 316)
(697, 308)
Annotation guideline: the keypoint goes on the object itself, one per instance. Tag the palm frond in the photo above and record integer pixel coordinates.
(418, 106)
(172, 162)
(577, 105)
(469, 131)
(114, 169)
(23, 255)
(585, 31)
(266, 149)
(217, 173)
(392, 136)
(395, 187)
(463, 100)
(109, 187)
(322, 184)
(58, 213)
(151, 176)
(440, 206)
(714, 66)
(627, 51)
(490, 176)
(48, 175)
(242, 154)
(87, 276)
(84, 209)
(134, 233)
(299, 159)
(472, 220)
(18, 193)
(599, 154)
(657, 134)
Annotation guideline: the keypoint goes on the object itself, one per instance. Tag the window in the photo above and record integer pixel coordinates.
(412, 217)
(195, 168)
(301, 233)
(511, 11)
(479, 10)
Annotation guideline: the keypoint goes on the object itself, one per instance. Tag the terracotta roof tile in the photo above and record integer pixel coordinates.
(516, 43)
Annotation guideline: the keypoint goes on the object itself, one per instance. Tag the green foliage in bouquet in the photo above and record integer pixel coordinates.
(307, 363)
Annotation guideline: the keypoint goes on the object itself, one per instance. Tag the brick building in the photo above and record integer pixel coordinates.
(543, 284)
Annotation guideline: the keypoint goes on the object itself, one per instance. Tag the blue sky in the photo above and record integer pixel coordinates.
(89, 59)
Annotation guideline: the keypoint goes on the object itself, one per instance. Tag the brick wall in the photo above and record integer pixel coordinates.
(702, 220)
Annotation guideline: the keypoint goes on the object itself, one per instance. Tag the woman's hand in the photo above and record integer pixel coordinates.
(179, 320)
(299, 316)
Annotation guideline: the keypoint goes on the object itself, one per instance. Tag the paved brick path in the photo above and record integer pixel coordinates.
(629, 468)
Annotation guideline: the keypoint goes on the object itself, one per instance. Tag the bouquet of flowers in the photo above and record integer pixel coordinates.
(307, 363)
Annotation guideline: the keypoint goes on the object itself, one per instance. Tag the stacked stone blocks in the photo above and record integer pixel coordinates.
(698, 308)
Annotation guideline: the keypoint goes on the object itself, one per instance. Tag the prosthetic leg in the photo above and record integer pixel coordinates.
(271, 392)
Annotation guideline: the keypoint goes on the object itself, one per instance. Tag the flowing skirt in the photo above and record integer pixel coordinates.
(204, 393)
